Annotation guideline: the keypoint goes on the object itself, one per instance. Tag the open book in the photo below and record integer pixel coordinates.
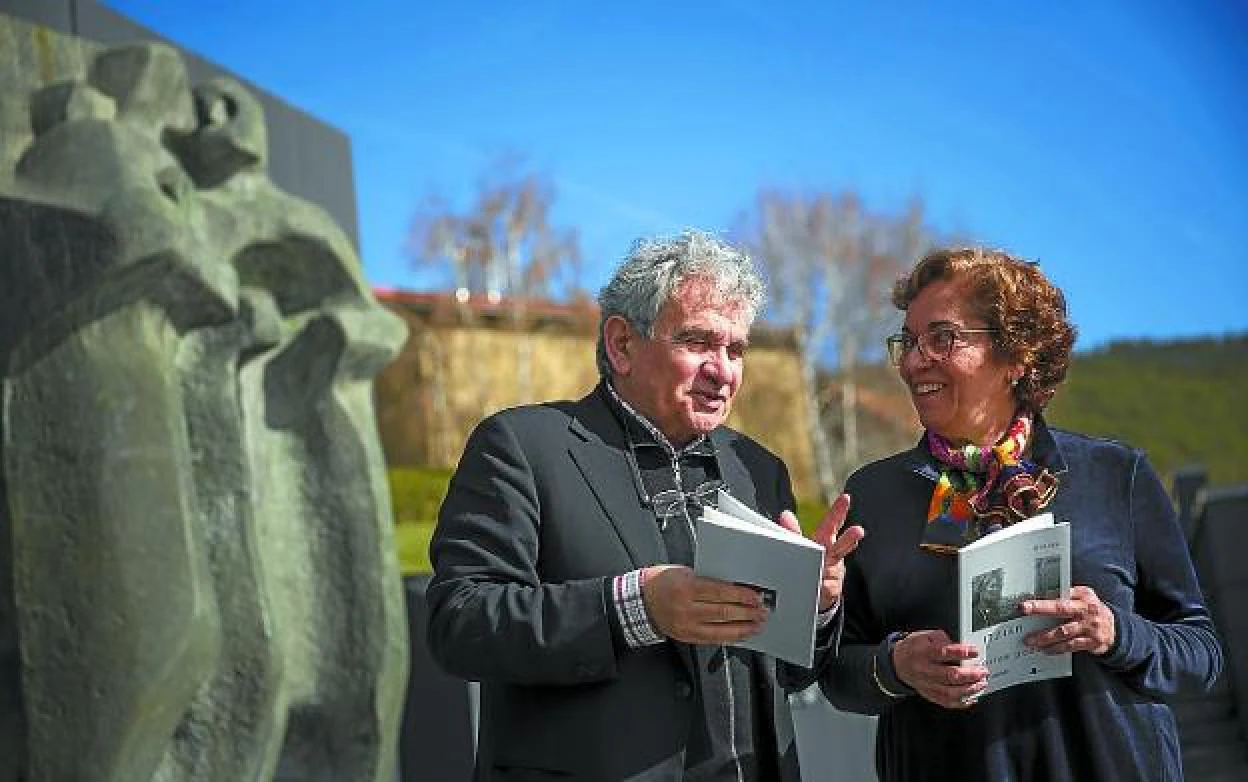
(1029, 559)
(737, 544)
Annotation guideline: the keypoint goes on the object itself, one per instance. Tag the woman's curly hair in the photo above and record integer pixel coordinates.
(1012, 296)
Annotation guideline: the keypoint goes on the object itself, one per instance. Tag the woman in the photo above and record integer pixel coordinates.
(986, 343)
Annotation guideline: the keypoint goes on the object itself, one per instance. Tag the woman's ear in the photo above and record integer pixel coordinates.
(618, 337)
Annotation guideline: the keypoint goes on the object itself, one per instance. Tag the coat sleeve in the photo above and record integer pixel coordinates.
(490, 616)
(849, 679)
(794, 678)
(1166, 643)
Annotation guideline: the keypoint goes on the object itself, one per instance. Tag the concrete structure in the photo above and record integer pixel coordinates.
(465, 360)
(194, 510)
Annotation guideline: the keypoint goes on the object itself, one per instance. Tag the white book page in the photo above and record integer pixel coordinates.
(783, 567)
(735, 507)
(994, 574)
(775, 531)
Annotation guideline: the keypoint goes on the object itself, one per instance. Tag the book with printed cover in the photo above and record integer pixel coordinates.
(1026, 560)
(739, 545)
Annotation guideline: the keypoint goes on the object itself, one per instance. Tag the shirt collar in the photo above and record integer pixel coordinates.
(699, 445)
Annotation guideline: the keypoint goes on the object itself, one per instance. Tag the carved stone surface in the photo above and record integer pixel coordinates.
(194, 507)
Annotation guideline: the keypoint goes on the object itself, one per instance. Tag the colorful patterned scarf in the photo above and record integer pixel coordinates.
(982, 489)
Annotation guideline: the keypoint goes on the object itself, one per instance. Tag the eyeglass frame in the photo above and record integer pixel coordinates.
(956, 334)
(671, 499)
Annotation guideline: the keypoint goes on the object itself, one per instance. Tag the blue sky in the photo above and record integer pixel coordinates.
(1107, 138)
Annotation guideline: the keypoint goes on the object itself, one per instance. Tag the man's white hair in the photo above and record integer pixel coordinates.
(655, 267)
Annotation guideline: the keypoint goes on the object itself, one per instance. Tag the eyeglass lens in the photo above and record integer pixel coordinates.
(936, 344)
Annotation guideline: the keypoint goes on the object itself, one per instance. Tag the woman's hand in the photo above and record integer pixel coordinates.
(837, 544)
(928, 662)
(1088, 624)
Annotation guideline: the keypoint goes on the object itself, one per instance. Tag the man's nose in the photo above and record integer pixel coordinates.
(718, 363)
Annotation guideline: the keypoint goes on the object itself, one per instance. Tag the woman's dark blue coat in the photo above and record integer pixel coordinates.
(1107, 721)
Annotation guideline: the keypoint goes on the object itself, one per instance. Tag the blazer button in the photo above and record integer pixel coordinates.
(683, 690)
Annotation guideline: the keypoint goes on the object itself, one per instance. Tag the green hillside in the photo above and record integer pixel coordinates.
(1183, 402)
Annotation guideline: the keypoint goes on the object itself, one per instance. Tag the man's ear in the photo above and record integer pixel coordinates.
(620, 341)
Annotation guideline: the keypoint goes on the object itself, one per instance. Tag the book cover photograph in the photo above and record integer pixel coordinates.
(739, 545)
(1027, 560)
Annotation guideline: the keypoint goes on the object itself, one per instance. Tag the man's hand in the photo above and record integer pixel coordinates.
(1087, 626)
(927, 661)
(837, 545)
(696, 610)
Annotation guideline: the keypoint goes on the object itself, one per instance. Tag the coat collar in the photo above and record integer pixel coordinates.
(1044, 451)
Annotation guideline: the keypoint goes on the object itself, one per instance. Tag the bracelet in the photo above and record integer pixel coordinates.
(875, 676)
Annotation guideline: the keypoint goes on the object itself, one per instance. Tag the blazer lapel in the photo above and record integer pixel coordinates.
(597, 447)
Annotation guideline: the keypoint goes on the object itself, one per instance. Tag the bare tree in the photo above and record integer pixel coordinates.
(504, 244)
(503, 247)
(830, 265)
(791, 235)
(886, 245)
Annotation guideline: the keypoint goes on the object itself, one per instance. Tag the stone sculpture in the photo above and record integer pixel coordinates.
(194, 506)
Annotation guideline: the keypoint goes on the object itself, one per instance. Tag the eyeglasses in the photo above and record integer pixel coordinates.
(671, 503)
(936, 345)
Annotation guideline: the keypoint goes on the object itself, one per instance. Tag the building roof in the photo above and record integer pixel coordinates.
(579, 315)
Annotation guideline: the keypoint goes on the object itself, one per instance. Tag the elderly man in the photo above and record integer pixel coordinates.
(562, 556)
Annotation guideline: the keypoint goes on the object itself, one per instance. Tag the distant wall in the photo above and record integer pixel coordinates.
(307, 157)
(465, 361)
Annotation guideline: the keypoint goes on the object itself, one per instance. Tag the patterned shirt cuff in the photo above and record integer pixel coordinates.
(631, 610)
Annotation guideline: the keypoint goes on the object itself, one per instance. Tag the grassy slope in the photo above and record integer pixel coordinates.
(1182, 402)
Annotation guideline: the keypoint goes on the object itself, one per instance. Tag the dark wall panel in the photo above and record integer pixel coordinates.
(307, 157)
(56, 14)
(437, 740)
(1221, 537)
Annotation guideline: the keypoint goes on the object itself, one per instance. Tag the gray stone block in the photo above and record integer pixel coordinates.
(66, 102)
(1219, 535)
(438, 739)
(148, 82)
(196, 517)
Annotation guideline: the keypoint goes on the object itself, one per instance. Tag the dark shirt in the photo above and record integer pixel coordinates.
(729, 738)
(1109, 720)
